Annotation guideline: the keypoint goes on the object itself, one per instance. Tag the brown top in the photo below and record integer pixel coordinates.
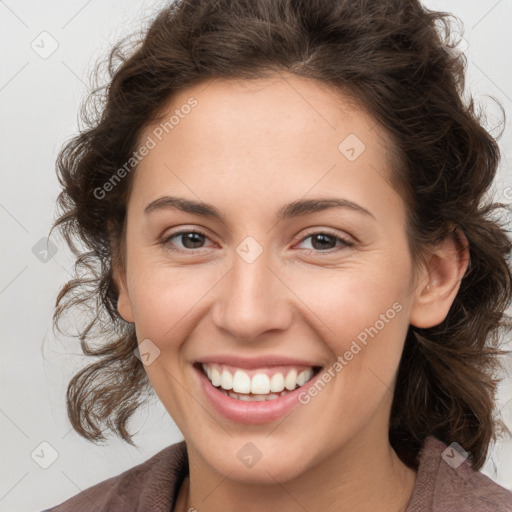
(153, 486)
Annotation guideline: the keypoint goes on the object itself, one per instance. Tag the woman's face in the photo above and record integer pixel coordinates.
(269, 286)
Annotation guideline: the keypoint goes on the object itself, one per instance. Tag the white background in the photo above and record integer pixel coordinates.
(39, 100)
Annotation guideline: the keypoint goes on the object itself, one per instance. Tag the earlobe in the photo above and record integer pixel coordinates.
(445, 268)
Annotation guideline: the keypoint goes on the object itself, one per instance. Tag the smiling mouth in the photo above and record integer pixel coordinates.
(257, 385)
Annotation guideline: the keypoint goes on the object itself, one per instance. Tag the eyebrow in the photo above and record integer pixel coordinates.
(288, 211)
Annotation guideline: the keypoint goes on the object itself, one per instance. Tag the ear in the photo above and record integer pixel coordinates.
(124, 305)
(445, 267)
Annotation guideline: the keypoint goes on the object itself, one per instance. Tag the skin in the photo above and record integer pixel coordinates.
(249, 147)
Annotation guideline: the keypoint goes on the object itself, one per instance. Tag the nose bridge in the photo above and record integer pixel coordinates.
(252, 299)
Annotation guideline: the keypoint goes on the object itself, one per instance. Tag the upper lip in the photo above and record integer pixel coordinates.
(256, 362)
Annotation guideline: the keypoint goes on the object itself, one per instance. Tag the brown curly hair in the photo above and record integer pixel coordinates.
(394, 58)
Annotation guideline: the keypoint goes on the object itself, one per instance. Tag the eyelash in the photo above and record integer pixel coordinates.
(345, 243)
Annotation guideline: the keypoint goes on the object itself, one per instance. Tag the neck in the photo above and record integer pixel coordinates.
(362, 477)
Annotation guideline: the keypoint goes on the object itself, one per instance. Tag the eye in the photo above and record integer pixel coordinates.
(321, 241)
(191, 239)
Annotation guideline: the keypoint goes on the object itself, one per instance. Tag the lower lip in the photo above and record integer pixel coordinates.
(254, 413)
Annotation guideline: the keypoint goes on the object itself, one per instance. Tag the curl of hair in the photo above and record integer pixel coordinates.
(396, 60)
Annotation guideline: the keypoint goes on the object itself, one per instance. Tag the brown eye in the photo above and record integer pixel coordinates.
(190, 240)
(324, 241)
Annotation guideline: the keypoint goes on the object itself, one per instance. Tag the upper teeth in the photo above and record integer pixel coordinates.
(260, 384)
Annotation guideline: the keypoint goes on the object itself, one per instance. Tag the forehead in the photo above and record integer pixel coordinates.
(282, 105)
(254, 136)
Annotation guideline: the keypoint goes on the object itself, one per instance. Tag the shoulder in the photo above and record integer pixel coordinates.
(445, 483)
(151, 485)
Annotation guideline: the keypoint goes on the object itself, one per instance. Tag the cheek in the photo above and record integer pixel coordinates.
(348, 301)
(364, 318)
(362, 313)
(166, 300)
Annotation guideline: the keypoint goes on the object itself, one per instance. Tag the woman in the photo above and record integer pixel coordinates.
(284, 235)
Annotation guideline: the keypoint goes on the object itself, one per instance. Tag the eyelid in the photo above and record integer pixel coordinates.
(326, 231)
(165, 239)
(345, 241)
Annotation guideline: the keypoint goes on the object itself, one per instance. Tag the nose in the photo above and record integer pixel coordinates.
(252, 299)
